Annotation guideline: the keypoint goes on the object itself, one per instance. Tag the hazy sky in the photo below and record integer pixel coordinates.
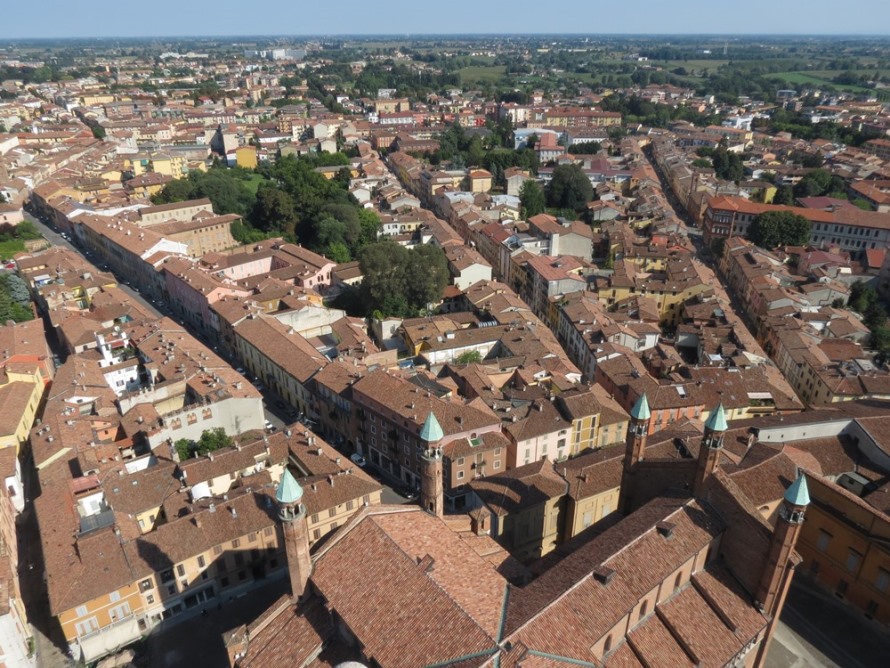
(58, 18)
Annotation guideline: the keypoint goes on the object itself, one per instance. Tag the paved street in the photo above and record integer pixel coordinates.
(817, 630)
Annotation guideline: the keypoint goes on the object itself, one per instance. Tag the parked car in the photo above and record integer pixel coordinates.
(408, 492)
(268, 425)
(358, 460)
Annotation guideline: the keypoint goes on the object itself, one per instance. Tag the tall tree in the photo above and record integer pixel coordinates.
(779, 228)
(531, 195)
(569, 188)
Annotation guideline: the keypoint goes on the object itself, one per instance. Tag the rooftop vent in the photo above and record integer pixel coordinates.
(604, 574)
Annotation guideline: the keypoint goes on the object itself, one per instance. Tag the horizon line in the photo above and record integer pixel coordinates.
(419, 35)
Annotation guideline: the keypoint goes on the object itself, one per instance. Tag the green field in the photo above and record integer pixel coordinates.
(477, 73)
(254, 182)
(803, 78)
(10, 248)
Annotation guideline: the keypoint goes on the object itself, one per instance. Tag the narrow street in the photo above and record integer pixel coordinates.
(817, 630)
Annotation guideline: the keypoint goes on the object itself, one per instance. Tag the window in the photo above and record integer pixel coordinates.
(349, 504)
(87, 626)
(332, 512)
(841, 588)
(236, 543)
(171, 589)
(167, 576)
(678, 580)
(882, 582)
(119, 612)
(644, 609)
(149, 599)
(497, 464)
(460, 475)
(201, 561)
(224, 582)
(252, 537)
(460, 461)
(114, 596)
(823, 540)
(587, 519)
(268, 531)
(607, 646)
(81, 610)
(316, 534)
(217, 550)
(180, 570)
(853, 561)
(146, 584)
(315, 518)
(333, 525)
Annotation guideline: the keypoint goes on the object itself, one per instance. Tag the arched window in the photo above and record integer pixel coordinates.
(608, 644)
(644, 608)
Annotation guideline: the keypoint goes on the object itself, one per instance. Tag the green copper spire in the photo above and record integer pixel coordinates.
(289, 490)
(640, 411)
(432, 430)
(798, 494)
(717, 419)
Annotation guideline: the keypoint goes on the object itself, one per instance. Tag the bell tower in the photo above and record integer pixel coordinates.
(711, 447)
(777, 571)
(292, 514)
(432, 485)
(635, 449)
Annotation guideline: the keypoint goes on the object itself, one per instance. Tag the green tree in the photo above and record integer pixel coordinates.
(98, 131)
(274, 211)
(426, 275)
(784, 196)
(862, 296)
(402, 282)
(531, 195)
(880, 340)
(469, 357)
(816, 183)
(585, 148)
(211, 440)
(875, 315)
(779, 228)
(569, 188)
